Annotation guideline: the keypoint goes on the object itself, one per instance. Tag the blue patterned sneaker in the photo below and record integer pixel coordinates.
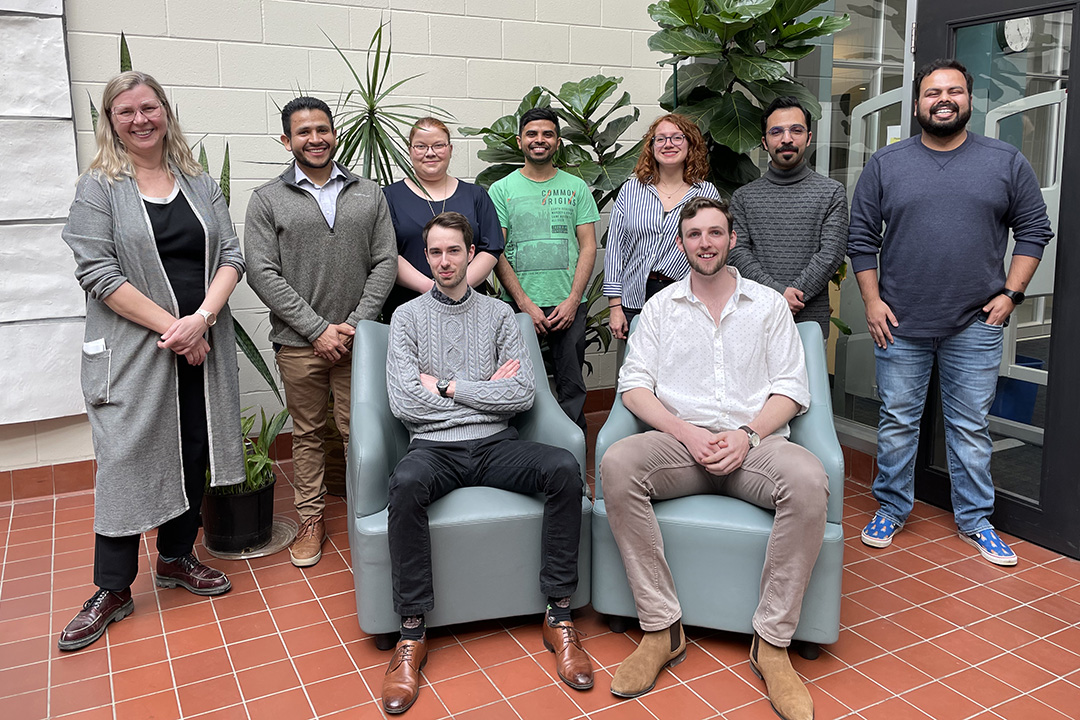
(879, 532)
(991, 547)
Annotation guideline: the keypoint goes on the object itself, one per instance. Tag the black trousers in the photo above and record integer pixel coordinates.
(566, 350)
(116, 559)
(430, 470)
(651, 288)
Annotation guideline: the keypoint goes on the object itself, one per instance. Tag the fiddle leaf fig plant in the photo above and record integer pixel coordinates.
(740, 50)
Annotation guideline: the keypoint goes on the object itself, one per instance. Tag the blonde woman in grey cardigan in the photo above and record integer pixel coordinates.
(157, 256)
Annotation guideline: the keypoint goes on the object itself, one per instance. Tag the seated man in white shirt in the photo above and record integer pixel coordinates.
(717, 368)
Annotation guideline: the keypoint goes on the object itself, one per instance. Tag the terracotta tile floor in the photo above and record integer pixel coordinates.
(929, 631)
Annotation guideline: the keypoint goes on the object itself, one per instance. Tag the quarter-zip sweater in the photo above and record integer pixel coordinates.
(311, 275)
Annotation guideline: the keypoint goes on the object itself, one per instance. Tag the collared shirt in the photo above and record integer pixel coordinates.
(446, 299)
(641, 239)
(326, 195)
(717, 376)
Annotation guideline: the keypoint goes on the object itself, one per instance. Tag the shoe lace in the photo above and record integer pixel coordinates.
(96, 599)
(571, 635)
(307, 527)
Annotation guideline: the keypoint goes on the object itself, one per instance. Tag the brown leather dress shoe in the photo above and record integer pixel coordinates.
(401, 684)
(189, 573)
(101, 609)
(571, 661)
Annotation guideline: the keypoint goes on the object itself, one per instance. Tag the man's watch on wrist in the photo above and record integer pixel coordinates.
(755, 439)
(208, 317)
(442, 386)
(1016, 296)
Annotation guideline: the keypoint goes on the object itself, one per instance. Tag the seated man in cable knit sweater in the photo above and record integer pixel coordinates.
(457, 371)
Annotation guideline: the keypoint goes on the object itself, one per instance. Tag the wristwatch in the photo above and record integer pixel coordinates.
(755, 439)
(208, 317)
(442, 386)
(1015, 295)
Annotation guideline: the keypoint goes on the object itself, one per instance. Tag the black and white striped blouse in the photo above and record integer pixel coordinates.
(641, 239)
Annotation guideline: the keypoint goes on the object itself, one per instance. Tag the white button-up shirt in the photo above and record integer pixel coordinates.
(327, 194)
(717, 375)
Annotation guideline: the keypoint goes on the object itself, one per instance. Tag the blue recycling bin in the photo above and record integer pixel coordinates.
(1015, 399)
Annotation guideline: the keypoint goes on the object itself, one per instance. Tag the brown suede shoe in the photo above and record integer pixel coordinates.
(306, 549)
(571, 661)
(788, 695)
(189, 573)
(401, 684)
(101, 609)
(657, 650)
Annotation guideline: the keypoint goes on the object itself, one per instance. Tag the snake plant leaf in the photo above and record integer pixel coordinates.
(225, 181)
(202, 159)
(252, 354)
(125, 55)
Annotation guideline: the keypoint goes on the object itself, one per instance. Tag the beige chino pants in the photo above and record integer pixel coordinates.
(777, 475)
(308, 380)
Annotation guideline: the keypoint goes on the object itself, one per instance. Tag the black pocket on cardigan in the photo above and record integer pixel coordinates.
(96, 376)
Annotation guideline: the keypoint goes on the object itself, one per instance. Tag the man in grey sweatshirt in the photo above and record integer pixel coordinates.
(948, 199)
(457, 371)
(792, 222)
(322, 256)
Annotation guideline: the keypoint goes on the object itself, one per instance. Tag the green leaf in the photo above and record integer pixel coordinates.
(225, 181)
(842, 326)
(731, 169)
(615, 128)
(816, 27)
(125, 55)
(93, 111)
(586, 169)
(784, 53)
(791, 9)
(663, 15)
(725, 27)
(767, 92)
(500, 155)
(202, 159)
(745, 9)
(687, 42)
(620, 103)
(252, 354)
(493, 173)
(731, 120)
(614, 173)
(690, 77)
(536, 97)
(583, 97)
(721, 77)
(687, 10)
(754, 68)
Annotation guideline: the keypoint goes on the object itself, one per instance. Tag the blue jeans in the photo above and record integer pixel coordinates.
(968, 367)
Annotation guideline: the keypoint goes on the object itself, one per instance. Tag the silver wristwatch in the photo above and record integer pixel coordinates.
(755, 439)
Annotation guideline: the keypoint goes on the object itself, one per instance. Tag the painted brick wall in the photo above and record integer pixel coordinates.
(230, 64)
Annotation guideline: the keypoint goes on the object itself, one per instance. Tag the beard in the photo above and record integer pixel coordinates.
(947, 128)
(710, 267)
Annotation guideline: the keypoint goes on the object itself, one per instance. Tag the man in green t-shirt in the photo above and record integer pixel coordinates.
(547, 218)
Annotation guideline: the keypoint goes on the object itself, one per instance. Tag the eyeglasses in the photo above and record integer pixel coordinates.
(797, 131)
(675, 140)
(127, 115)
(421, 148)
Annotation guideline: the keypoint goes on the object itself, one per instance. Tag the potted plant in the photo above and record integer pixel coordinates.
(239, 518)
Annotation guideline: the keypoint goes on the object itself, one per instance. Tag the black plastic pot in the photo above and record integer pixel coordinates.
(238, 523)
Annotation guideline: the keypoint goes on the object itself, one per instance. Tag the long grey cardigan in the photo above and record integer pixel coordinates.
(130, 386)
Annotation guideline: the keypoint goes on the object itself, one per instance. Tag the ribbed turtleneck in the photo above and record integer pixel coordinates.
(787, 177)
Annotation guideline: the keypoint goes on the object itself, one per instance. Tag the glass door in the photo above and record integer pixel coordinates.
(1020, 58)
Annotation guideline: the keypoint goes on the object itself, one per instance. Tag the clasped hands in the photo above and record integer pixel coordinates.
(719, 453)
(508, 369)
(560, 318)
(185, 337)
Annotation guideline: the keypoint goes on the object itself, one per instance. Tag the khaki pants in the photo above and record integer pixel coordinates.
(308, 380)
(778, 475)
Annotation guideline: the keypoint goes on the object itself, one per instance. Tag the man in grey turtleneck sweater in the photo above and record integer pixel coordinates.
(457, 371)
(791, 223)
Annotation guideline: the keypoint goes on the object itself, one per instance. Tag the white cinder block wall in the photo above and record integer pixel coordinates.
(230, 64)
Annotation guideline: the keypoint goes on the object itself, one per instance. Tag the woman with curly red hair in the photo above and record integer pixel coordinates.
(642, 257)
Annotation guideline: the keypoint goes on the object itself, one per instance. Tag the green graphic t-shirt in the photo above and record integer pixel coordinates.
(541, 220)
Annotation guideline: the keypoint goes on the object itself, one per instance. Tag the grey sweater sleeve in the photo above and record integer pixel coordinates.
(264, 273)
(834, 234)
(742, 255)
(410, 401)
(89, 233)
(509, 395)
(383, 273)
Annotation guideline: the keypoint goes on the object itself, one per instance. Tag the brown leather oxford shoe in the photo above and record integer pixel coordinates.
(572, 663)
(101, 609)
(189, 573)
(401, 684)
